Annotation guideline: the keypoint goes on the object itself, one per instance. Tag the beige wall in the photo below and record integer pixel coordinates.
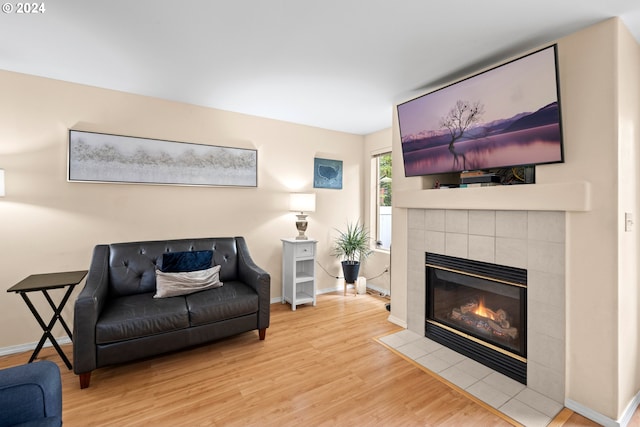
(628, 92)
(598, 67)
(601, 117)
(587, 66)
(48, 224)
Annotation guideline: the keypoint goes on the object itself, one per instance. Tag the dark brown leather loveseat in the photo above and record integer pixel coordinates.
(117, 319)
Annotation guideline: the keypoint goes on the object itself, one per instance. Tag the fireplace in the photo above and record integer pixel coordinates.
(480, 310)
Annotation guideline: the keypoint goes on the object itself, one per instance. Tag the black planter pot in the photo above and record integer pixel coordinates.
(350, 270)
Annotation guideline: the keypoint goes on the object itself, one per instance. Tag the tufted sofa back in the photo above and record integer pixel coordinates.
(132, 265)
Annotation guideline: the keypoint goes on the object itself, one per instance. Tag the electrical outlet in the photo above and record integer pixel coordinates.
(628, 221)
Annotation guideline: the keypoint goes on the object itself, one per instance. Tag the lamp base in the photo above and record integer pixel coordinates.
(301, 225)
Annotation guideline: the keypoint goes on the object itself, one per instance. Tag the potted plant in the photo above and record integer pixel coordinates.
(352, 245)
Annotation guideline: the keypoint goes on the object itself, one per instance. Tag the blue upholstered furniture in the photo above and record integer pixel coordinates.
(31, 395)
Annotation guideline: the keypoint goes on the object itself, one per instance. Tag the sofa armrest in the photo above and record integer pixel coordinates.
(87, 308)
(31, 394)
(257, 278)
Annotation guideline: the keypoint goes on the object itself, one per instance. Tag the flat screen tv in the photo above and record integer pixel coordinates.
(503, 117)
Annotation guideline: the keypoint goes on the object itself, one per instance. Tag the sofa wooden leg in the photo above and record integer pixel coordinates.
(85, 379)
(262, 333)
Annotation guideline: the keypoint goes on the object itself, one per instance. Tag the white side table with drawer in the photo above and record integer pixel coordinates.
(298, 272)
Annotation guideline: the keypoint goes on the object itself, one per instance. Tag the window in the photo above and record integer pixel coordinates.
(383, 202)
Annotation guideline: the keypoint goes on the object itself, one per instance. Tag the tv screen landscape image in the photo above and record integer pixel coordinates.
(506, 116)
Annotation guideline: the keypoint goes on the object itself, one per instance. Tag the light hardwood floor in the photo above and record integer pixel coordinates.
(319, 366)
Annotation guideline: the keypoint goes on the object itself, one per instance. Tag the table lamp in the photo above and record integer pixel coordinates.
(302, 202)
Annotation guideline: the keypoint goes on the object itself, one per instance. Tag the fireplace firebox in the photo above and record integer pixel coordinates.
(480, 310)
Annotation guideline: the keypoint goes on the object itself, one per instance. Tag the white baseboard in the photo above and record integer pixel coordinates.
(329, 290)
(277, 300)
(384, 292)
(397, 321)
(21, 348)
(603, 419)
(630, 410)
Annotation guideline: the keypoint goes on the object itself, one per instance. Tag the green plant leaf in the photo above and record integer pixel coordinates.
(353, 244)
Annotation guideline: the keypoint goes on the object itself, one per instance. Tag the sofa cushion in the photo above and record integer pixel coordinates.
(234, 299)
(141, 315)
(186, 282)
(178, 262)
(132, 265)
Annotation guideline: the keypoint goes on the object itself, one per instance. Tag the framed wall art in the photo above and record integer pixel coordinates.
(327, 173)
(99, 157)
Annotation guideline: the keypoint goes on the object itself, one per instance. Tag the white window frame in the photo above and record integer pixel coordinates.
(375, 199)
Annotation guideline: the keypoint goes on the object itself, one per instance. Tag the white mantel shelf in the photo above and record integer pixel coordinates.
(565, 196)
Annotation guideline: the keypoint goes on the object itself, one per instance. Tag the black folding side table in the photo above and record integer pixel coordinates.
(44, 283)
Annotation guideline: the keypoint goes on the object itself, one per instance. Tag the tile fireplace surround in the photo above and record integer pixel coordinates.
(533, 240)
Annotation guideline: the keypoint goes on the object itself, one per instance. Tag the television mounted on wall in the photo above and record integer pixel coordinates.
(504, 117)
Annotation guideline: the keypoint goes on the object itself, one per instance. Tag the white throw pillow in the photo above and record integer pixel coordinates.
(174, 284)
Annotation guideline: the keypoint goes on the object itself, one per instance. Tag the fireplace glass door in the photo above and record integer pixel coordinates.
(490, 311)
(478, 309)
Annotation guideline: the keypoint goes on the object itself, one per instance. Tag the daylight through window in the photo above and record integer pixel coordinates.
(383, 202)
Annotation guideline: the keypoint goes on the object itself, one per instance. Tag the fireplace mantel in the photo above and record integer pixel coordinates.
(566, 196)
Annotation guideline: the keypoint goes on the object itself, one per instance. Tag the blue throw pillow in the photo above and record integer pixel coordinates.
(178, 262)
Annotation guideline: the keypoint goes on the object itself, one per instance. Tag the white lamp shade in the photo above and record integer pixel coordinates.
(1, 182)
(302, 202)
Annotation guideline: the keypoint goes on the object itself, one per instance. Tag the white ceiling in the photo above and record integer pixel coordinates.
(335, 64)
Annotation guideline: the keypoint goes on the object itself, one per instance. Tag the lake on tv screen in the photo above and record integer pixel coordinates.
(535, 145)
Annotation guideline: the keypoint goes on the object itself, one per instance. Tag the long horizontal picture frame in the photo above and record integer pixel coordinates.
(101, 157)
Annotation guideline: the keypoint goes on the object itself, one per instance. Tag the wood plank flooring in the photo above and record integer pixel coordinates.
(319, 366)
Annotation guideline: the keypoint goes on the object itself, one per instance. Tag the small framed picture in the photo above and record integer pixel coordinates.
(327, 173)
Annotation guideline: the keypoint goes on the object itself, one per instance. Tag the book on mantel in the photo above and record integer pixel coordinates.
(480, 179)
(480, 184)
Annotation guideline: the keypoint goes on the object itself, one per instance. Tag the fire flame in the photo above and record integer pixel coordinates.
(484, 312)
